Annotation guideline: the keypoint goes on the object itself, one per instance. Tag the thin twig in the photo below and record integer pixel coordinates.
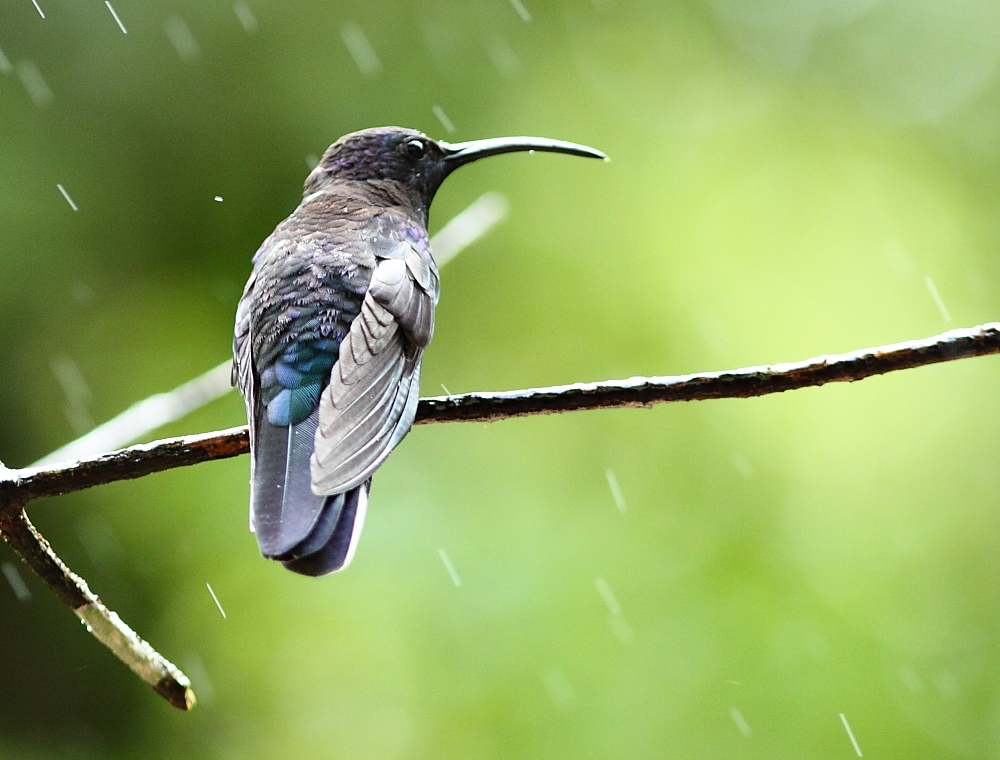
(165, 678)
(18, 487)
(145, 416)
(137, 461)
(737, 383)
(124, 464)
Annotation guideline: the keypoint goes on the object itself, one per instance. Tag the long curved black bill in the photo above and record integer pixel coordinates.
(457, 154)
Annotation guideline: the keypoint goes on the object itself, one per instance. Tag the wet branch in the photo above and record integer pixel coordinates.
(18, 487)
(137, 461)
(152, 667)
(737, 383)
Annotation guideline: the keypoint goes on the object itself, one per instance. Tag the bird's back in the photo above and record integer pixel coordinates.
(316, 352)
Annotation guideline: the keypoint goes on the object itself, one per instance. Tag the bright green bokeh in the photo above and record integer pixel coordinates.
(786, 175)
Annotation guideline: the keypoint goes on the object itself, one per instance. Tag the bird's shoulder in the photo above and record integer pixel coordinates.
(312, 273)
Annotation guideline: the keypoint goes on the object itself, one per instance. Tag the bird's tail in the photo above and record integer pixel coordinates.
(308, 533)
(331, 544)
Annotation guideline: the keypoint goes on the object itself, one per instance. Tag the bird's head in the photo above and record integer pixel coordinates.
(415, 161)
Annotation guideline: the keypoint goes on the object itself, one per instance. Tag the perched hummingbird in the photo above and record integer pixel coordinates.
(330, 331)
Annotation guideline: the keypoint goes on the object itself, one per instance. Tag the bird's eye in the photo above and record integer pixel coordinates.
(415, 149)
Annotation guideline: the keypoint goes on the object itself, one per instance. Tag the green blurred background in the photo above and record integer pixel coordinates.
(786, 175)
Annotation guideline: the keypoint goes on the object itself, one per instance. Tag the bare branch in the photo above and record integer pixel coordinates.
(18, 487)
(737, 383)
(109, 629)
(137, 461)
(145, 416)
(124, 464)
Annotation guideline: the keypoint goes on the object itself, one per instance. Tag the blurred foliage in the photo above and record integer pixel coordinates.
(786, 176)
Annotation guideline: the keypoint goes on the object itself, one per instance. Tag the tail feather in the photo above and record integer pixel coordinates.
(328, 549)
(321, 532)
(283, 506)
(309, 533)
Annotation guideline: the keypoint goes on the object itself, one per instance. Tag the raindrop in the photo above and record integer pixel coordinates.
(521, 10)
(913, 683)
(245, 15)
(713, 332)
(443, 118)
(937, 298)
(361, 49)
(468, 226)
(218, 198)
(117, 20)
(83, 294)
(621, 629)
(616, 491)
(209, 586)
(740, 721)
(947, 684)
(608, 596)
(742, 465)
(616, 622)
(559, 688)
(99, 540)
(66, 196)
(899, 259)
(77, 392)
(17, 584)
(850, 734)
(38, 8)
(180, 37)
(503, 56)
(449, 567)
(199, 677)
(33, 82)
(440, 41)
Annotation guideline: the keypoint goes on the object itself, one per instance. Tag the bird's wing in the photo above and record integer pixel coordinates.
(371, 400)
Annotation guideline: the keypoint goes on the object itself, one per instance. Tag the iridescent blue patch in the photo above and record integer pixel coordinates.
(290, 407)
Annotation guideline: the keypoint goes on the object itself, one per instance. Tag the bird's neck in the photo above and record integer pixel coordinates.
(375, 193)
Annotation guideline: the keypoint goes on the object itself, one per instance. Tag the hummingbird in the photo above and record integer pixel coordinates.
(330, 331)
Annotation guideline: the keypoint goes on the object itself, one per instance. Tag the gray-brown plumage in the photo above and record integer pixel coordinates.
(330, 332)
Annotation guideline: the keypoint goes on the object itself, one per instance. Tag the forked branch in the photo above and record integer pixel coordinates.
(18, 487)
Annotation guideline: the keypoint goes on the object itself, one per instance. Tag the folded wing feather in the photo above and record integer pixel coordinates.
(372, 397)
